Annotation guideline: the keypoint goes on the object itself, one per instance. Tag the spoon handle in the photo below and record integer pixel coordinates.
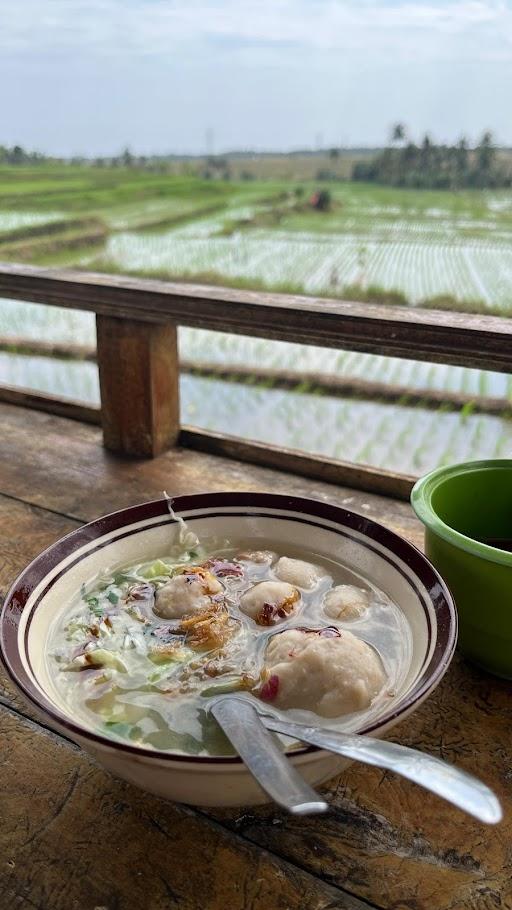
(264, 759)
(447, 781)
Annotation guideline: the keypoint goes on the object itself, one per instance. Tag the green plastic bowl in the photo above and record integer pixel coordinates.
(461, 506)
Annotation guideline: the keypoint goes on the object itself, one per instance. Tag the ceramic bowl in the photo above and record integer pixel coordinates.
(140, 533)
(467, 513)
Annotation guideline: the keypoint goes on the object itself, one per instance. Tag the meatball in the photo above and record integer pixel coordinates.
(186, 593)
(269, 601)
(296, 572)
(346, 602)
(331, 674)
(260, 557)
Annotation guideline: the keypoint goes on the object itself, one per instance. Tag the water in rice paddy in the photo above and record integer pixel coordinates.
(432, 252)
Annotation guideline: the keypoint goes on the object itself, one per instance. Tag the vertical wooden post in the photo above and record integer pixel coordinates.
(139, 384)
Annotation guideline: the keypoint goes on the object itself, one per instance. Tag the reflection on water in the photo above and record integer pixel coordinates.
(66, 378)
(34, 320)
(407, 439)
(411, 440)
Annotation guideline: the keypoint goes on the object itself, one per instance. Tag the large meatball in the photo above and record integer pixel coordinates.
(346, 602)
(328, 672)
(269, 601)
(186, 593)
(296, 572)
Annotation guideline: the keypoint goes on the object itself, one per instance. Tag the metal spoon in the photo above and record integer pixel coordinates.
(263, 757)
(447, 781)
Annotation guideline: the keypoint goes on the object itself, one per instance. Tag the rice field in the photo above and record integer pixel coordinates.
(11, 221)
(422, 245)
(36, 321)
(65, 378)
(420, 253)
(214, 347)
(411, 440)
(467, 271)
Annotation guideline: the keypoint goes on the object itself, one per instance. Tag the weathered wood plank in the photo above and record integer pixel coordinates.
(50, 404)
(328, 470)
(72, 836)
(387, 841)
(139, 385)
(440, 336)
(316, 467)
(391, 842)
(24, 532)
(68, 470)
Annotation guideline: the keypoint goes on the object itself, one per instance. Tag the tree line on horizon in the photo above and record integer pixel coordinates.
(432, 166)
(402, 163)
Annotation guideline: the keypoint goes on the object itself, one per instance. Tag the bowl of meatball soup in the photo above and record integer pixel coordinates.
(122, 633)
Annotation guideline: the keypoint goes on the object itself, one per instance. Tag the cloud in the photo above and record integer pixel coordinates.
(96, 74)
(159, 28)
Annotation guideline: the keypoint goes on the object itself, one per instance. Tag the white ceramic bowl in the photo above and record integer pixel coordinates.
(139, 533)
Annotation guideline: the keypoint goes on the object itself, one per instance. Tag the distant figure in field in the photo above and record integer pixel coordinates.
(320, 200)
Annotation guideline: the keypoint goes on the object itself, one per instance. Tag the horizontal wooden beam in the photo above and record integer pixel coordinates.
(329, 470)
(360, 477)
(413, 333)
(51, 404)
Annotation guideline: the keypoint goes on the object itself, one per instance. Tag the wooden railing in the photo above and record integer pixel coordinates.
(139, 365)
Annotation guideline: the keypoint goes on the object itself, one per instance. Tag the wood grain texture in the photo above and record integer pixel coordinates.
(386, 841)
(51, 404)
(139, 385)
(392, 842)
(74, 837)
(25, 531)
(439, 336)
(316, 467)
(70, 471)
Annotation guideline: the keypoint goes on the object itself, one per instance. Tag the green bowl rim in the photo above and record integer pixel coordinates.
(421, 501)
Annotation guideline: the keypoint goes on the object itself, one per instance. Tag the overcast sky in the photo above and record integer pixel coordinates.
(91, 76)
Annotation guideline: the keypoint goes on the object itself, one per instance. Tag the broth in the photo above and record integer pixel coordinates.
(143, 678)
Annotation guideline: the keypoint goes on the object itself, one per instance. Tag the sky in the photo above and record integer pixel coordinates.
(93, 76)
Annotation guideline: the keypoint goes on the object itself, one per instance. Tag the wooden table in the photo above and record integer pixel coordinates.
(71, 836)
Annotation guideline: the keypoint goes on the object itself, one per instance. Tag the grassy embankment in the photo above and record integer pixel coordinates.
(90, 204)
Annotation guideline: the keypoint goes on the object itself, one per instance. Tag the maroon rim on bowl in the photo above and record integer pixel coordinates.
(312, 512)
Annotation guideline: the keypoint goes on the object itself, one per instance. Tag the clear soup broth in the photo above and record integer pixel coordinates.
(139, 654)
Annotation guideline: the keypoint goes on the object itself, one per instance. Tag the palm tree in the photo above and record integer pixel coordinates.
(398, 133)
(485, 154)
(461, 160)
